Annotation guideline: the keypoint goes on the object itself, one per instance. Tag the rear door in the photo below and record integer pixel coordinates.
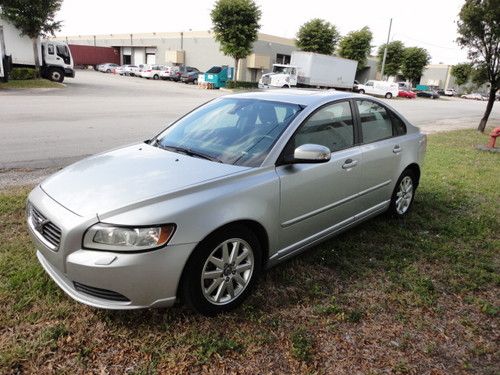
(318, 197)
(382, 147)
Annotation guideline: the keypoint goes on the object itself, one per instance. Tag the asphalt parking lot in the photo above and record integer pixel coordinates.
(95, 112)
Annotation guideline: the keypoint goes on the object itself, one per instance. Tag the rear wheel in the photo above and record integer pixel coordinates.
(222, 271)
(108, 71)
(55, 75)
(195, 81)
(403, 195)
(156, 76)
(361, 91)
(388, 95)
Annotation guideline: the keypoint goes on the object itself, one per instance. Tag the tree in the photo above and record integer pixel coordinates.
(461, 73)
(413, 63)
(393, 59)
(318, 36)
(356, 46)
(479, 32)
(35, 18)
(236, 24)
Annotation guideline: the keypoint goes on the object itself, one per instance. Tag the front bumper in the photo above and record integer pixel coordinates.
(147, 279)
(68, 72)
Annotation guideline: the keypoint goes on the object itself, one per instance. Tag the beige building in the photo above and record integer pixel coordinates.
(194, 48)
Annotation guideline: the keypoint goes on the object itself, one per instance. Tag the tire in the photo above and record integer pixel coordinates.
(405, 190)
(388, 95)
(55, 75)
(211, 295)
(108, 71)
(195, 82)
(361, 91)
(285, 87)
(156, 76)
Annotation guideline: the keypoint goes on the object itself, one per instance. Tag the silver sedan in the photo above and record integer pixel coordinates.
(236, 186)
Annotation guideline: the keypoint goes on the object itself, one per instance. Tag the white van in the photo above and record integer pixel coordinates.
(379, 88)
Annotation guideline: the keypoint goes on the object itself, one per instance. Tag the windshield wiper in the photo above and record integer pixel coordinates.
(189, 152)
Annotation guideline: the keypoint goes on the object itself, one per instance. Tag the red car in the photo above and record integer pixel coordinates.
(407, 94)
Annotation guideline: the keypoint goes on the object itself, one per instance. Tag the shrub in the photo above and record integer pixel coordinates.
(241, 85)
(23, 73)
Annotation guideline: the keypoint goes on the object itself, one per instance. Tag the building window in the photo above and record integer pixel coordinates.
(127, 59)
(283, 59)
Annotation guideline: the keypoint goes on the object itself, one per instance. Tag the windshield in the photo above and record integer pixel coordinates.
(232, 131)
(283, 69)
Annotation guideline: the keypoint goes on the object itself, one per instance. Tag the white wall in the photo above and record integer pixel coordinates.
(20, 47)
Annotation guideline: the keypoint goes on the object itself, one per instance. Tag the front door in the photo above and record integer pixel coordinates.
(317, 198)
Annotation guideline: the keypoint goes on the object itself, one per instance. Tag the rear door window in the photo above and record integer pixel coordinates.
(378, 122)
(375, 120)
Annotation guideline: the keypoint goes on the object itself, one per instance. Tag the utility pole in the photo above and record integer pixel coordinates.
(385, 50)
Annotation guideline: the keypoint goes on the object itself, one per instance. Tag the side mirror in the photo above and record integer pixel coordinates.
(310, 153)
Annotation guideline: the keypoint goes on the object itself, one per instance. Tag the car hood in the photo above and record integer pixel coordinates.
(129, 175)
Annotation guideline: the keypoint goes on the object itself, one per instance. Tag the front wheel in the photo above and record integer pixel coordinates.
(156, 76)
(222, 271)
(361, 91)
(403, 195)
(388, 95)
(55, 75)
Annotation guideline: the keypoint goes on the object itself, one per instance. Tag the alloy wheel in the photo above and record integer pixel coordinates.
(227, 271)
(404, 195)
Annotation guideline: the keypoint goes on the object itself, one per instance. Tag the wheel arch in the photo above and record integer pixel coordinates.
(415, 168)
(256, 228)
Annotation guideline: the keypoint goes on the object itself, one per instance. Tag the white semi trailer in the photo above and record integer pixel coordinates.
(309, 69)
(55, 57)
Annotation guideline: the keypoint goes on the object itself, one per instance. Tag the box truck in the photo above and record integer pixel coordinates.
(309, 69)
(55, 57)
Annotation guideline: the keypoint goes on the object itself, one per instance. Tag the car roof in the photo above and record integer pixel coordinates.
(303, 97)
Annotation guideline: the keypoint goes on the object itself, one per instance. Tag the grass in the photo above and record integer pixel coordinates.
(408, 297)
(30, 84)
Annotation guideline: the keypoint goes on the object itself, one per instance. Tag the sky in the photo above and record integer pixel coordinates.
(430, 24)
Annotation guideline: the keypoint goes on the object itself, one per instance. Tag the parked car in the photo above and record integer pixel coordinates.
(474, 96)
(152, 71)
(107, 68)
(407, 94)
(168, 72)
(238, 185)
(450, 92)
(379, 88)
(135, 70)
(191, 77)
(129, 70)
(428, 94)
(121, 70)
(142, 68)
(183, 69)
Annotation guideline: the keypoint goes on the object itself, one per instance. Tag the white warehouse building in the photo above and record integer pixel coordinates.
(193, 48)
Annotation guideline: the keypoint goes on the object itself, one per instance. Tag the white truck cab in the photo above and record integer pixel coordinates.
(282, 76)
(57, 61)
(379, 88)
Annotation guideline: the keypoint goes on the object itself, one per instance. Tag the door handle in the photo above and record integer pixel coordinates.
(349, 163)
(397, 149)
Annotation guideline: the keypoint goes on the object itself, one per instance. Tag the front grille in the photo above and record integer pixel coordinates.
(49, 231)
(100, 293)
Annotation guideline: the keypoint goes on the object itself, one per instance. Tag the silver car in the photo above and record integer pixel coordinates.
(234, 187)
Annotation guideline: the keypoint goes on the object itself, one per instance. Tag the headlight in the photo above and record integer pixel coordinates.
(116, 238)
